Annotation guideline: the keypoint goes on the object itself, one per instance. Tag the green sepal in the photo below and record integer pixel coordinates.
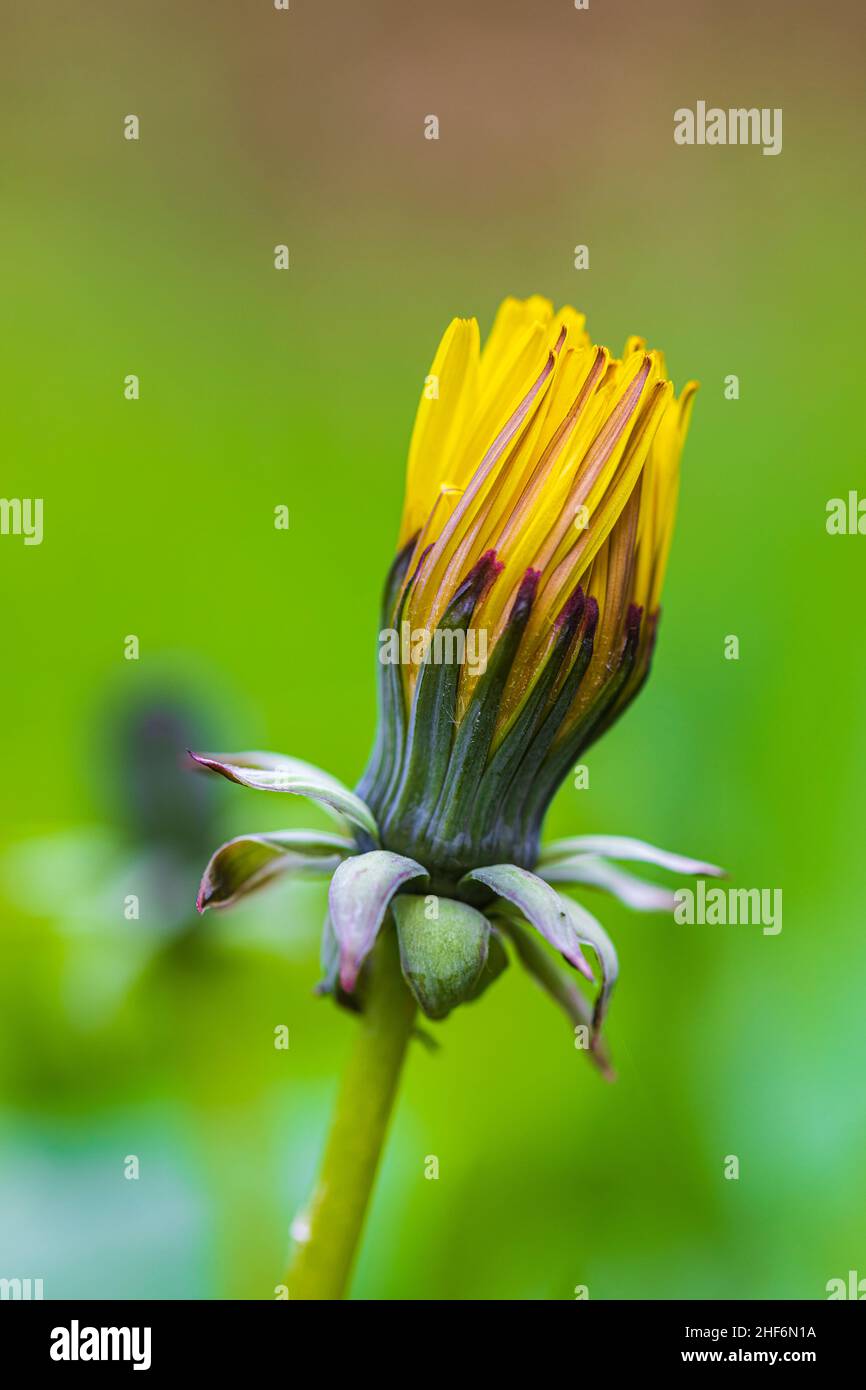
(431, 723)
(545, 780)
(531, 772)
(497, 962)
(443, 957)
(329, 958)
(452, 822)
(275, 772)
(250, 862)
(390, 727)
(508, 755)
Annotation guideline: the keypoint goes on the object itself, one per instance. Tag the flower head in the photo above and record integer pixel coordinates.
(539, 507)
(518, 622)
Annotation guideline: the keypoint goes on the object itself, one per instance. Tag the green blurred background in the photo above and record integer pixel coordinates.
(154, 1037)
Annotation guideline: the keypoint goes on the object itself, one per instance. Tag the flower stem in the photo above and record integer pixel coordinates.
(332, 1225)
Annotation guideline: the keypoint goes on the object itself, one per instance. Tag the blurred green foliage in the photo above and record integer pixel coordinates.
(155, 1037)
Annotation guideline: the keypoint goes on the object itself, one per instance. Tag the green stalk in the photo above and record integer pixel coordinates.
(323, 1260)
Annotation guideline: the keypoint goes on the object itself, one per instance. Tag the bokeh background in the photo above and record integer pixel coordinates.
(154, 1037)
